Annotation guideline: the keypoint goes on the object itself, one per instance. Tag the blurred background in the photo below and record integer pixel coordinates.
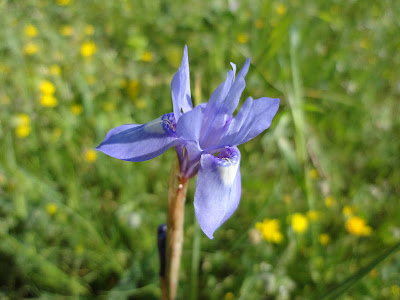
(320, 198)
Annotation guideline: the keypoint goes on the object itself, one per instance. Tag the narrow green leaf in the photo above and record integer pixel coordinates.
(355, 278)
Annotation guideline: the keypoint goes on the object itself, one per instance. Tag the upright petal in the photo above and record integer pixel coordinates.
(213, 107)
(189, 125)
(218, 189)
(243, 71)
(236, 90)
(222, 104)
(135, 142)
(180, 88)
(253, 118)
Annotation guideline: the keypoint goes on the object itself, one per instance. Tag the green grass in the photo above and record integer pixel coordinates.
(335, 67)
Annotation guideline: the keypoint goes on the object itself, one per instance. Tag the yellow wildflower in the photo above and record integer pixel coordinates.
(4, 69)
(22, 131)
(140, 103)
(63, 2)
(79, 249)
(133, 88)
(31, 48)
(23, 128)
(67, 30)
(48, 100)
(299, 223)
(287, 198)
(76, 109)
(123, 83)
(270, 230)
(259, 23)
(357, 226)
(90, 155)
(31, 31)
(89, 30)
(373, 273)
(313, 173)
(229, 296)
(324, 239)
(55, 134)
(4, 100)
(174, 56)
(51, 209)
(90, 79)
(147, 56)
(281, 9)
(88, 49)
(348, 210)
(242, 38)
(109, 106)
(364, 44)
(395, 290)
(47, 88)
(55, 70)
(2, 179)
(329, 201)
(313, 215)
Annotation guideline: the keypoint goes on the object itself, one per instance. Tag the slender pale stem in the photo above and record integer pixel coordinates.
(195, 261)
(176, 212)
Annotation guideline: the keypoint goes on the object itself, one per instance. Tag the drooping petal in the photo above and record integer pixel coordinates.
(135, 142)
(218, 189)
(180, 88)
(253, 118)
(235, 197)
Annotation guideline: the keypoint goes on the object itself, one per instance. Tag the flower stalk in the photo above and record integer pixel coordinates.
(176, 211)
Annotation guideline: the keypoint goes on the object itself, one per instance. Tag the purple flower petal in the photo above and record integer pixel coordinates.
(180, 88)
(236, 90)
(221, 105)
(189, 125)
(236, 192)
(135, 142)
(253, 118)
(217, 189)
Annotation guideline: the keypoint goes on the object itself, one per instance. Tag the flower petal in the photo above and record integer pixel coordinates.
(236, 90)
(217, 189)
(189, 125)
(236, 192)
(253, 118)
(221, 106)
(213, 106)
(180, 88)
(134, 142)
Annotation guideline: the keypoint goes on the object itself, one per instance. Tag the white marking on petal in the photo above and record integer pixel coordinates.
(228, 173)
(155, 126)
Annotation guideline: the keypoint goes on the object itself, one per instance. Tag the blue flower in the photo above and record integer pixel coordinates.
(205, 138)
